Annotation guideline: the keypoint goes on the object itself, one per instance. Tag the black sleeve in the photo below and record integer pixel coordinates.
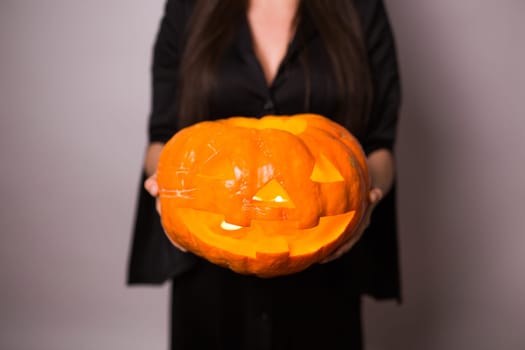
(381, 128)
(153, 259)
(165, 70)
(376, 254)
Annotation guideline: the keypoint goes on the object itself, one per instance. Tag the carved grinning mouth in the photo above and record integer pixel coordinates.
(261, 237)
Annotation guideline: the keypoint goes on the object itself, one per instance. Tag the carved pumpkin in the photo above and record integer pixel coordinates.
(267, 196)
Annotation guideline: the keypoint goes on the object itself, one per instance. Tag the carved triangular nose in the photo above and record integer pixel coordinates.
(273, 193)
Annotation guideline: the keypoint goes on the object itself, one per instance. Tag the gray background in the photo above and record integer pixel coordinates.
(74, 96)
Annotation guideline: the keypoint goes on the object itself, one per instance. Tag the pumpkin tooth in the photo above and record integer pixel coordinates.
(229, 227)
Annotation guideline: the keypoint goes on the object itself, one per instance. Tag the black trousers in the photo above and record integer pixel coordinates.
(214, 308)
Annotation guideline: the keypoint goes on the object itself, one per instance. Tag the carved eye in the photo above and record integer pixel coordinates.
(217, 167)
(274, 195)
(325, 171)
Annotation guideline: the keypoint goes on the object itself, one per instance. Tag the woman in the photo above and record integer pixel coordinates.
(218, 58)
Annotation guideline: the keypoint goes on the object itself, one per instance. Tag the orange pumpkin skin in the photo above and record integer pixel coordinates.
(267, 196)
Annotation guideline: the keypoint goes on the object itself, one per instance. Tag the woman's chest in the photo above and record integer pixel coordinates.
(304, 83)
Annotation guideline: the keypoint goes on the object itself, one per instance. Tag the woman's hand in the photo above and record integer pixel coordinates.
(381, 169)
(374, 197)
(152, 187)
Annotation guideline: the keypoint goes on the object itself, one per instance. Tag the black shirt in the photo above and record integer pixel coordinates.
(243, 91)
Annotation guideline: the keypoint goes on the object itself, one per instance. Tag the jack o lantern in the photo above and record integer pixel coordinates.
(267, 196)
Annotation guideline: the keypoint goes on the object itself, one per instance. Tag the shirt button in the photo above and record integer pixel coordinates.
(268, 106)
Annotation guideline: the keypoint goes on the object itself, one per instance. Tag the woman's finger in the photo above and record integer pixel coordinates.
(375, 196)
(179, 247)
(151, 185)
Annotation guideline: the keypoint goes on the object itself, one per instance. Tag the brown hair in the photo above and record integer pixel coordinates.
(212, 27)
